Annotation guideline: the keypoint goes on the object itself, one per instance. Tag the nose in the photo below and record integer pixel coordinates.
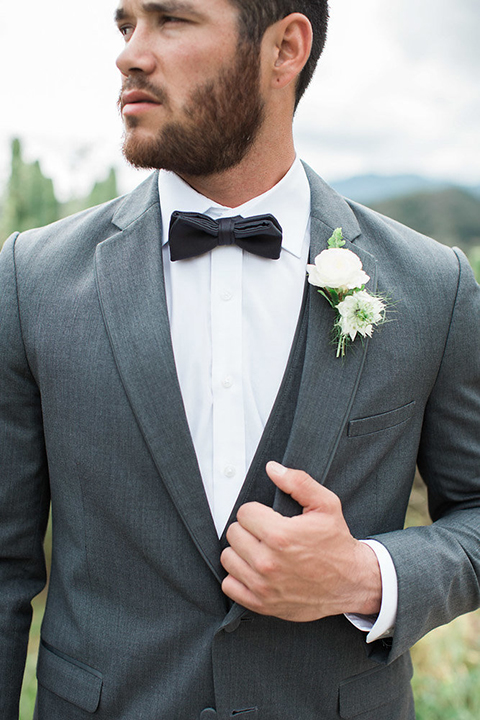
(137, 55)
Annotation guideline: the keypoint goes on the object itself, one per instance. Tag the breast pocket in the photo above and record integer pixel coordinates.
(382, 421)
(68, 678)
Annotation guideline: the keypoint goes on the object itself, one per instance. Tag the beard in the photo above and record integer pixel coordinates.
(217, 125)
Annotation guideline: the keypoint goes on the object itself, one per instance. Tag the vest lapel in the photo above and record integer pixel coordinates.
(328, 383)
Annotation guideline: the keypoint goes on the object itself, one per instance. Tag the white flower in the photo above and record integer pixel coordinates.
(338, 269)
(358, 313)
(339, 275)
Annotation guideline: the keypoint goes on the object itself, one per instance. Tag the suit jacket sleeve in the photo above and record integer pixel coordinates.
(438, 566)
(24, 496)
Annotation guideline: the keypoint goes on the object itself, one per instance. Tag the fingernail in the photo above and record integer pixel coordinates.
(276, 467)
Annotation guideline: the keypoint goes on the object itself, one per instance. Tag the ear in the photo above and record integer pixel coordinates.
(291, 40)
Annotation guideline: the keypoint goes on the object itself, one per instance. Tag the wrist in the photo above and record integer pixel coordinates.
(368, 596)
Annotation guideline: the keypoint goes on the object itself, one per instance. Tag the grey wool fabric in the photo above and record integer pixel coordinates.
(91, 417)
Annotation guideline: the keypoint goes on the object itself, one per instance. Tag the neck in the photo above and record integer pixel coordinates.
(266, 163)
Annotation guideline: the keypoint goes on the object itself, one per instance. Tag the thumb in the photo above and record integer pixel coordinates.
(302, 487)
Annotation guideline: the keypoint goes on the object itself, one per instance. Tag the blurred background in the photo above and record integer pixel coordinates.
(391, 120)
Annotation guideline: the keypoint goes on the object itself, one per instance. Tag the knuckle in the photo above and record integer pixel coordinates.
(304, 478)
(279, 541)
(245, 510)
(335, 502)
(307, 485)
(266, 566)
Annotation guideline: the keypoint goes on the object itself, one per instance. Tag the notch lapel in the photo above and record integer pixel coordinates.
(132, 295)
(328, 384)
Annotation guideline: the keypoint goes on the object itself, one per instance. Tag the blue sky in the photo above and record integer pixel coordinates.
(396, 91)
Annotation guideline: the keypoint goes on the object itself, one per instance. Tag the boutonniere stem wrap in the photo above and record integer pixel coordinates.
(339, 276)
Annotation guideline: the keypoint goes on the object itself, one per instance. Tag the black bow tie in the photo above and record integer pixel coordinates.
(193, 234)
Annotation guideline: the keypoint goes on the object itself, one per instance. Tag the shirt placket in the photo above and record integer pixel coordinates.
(228, 401)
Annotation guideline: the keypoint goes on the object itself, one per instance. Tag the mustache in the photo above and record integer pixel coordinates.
(141, 83)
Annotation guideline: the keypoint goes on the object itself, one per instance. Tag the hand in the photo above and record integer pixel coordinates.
(301, 568)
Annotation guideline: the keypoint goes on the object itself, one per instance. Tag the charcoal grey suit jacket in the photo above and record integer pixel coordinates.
(91, 418)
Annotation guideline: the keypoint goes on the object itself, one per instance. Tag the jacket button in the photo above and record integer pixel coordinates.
(208, 714)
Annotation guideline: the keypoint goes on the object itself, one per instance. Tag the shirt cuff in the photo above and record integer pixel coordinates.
(382, 625)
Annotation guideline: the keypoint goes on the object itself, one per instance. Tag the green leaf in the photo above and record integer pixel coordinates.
(334, 295)
(336, 241)
(326, 297)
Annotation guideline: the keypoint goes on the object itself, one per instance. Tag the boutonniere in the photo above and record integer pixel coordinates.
(339, 276)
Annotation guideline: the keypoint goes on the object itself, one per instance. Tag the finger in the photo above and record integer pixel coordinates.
(303, 488)
(246, 545)
(262, 522)
(239, 593)
(237, 567)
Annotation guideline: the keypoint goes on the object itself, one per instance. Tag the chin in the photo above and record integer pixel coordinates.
(137, 150)
(137, 141)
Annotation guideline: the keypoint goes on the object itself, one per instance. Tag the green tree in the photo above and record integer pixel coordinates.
(102, 191)
(30, 197)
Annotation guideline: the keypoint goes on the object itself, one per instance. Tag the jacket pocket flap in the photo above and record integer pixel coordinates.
(383, 421)
(374, 688)
(68, 678)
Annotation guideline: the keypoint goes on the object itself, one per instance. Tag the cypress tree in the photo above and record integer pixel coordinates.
(29, 199)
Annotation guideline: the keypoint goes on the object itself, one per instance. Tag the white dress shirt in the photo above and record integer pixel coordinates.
(233, 317)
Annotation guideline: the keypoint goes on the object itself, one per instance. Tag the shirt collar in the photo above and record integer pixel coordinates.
(288, 201)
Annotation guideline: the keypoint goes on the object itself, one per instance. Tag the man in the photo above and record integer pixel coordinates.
(159, 399)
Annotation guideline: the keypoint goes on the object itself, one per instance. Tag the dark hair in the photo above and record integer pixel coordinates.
(257, 15)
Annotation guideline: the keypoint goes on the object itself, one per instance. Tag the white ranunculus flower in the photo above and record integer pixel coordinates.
(359, 312)
(337, 268)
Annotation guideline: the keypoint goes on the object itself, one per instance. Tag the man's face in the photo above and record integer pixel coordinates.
(190, 97)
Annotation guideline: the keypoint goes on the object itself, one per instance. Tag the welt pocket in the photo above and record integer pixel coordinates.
(372, 689)
(382, 421)
(68, 678)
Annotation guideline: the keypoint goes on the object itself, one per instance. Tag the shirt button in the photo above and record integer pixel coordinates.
(229, 471)
(227, 382)
(226, 295)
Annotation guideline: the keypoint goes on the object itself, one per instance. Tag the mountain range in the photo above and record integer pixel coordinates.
(374, 188)
(450, 214)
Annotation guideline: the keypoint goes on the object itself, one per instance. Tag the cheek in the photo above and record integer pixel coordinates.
(193, 63)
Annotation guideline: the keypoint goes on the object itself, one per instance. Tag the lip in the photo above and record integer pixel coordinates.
(137, 101)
